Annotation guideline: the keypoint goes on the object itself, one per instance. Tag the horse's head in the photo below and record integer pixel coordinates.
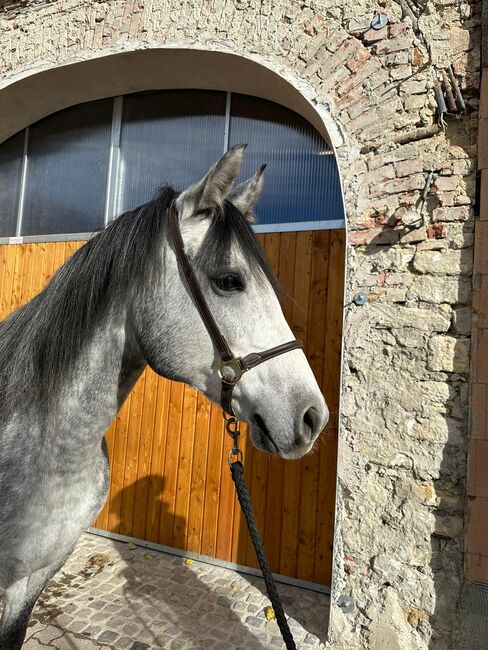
(280, 398)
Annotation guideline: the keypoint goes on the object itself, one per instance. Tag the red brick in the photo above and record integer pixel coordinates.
(437, 231)
(351, 99)
(459, 213)
(484, 195)
(484, 94)
(476, 567)
(407, 167)
(446, 198)
(480, 344)
(374, 236)
(483, 143)
(477, 463)
(482, 302)
(479, 411)
(397, 185)
(358, 58)
(477, 533)
(395, 29)
(375, 35)
(481, 247)
(417, 57)
(364, 72)
(343, 52)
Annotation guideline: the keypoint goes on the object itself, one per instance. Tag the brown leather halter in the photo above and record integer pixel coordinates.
(231, 368)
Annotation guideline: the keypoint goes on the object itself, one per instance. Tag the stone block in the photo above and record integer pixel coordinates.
(446, 183)
(447, 262)
(462, 319)
(414, 86)
(448, 354)
(414, 102)
(394, 45)
(424, 320)
(439, 429)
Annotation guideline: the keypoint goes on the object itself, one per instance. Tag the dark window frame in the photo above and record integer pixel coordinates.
(112, 185)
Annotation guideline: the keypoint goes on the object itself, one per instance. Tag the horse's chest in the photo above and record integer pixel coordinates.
(63, 506)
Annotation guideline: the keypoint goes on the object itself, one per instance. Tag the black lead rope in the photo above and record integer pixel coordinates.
(237, 471)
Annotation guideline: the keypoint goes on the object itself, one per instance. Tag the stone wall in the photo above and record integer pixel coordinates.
(401, 472)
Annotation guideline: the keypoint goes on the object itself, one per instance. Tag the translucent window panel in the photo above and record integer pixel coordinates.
(67, 168)
(302, 180)
(11, 153)
(169, 137)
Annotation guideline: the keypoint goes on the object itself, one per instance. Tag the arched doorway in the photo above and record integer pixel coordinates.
(173, 489)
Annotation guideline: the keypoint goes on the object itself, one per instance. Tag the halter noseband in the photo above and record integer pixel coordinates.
(231, 368)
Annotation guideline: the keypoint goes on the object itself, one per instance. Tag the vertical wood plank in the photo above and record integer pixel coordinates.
(132, 458)
(225, 520)
(182, 498)
(240, 535)
(157, 459)
(8, 278)
(17, 278)
(144, 456)
(171, 463)
(37, 276)
(212, 488)
(283, 267)
(199, 475)
(117, 467)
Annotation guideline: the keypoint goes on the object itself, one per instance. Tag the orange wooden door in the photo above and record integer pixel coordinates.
(170, 483)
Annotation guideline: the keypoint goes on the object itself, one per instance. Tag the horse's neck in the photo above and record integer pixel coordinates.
(107, 369)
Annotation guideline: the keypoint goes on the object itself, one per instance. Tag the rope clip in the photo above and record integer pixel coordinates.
(232, 428)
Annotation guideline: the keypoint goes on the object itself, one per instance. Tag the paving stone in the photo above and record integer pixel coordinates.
(47, 634)
(92, 630)
(108, 636)
(136, 604)
(254, 621)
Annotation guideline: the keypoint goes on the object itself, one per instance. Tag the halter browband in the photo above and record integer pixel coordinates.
(231, 368)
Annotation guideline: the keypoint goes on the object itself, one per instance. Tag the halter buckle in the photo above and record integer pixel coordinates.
(231, 371)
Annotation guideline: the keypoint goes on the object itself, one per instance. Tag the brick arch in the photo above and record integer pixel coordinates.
(71, 83)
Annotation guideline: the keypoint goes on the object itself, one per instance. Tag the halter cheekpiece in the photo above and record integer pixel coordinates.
(231, 367)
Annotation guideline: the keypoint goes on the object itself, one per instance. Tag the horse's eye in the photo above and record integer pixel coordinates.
(229, 282)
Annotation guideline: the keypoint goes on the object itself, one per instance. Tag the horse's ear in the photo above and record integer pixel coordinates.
(212, 190)
(245, 195)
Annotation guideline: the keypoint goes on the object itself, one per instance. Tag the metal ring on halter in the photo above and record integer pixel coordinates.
(231, 371)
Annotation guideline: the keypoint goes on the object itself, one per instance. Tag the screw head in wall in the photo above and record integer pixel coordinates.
(361, 298)
(379, 21)
(346, 603)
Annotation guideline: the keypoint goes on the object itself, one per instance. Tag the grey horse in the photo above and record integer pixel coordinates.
(69, 358)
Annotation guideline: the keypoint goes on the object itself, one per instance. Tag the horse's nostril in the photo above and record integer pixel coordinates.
(310, 418)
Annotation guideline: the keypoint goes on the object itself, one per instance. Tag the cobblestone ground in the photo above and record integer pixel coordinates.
(116, 595)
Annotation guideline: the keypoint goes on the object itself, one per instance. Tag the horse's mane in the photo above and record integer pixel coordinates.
(41, 340)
